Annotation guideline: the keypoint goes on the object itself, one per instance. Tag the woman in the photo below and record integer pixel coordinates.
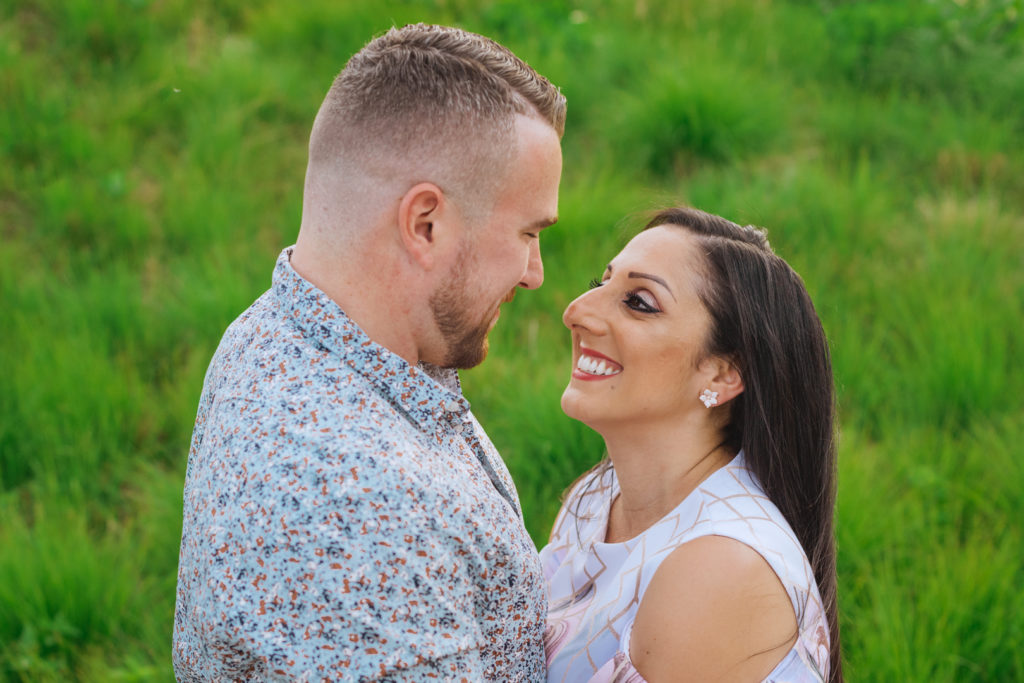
(702, 548)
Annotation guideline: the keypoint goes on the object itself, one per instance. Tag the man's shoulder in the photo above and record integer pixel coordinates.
(265, 356)
(332, 408)
(306, 399)
(254, 328)
(261, 326)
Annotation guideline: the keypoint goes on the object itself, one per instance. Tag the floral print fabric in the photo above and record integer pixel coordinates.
(345, 516)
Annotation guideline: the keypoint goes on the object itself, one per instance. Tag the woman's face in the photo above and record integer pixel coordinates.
(638, 338)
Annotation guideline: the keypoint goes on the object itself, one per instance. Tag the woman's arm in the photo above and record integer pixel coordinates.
(714, 611)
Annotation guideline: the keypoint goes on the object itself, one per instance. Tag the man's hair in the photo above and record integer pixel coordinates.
(433, 103)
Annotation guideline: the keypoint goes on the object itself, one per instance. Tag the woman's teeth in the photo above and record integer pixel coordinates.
(593, 366)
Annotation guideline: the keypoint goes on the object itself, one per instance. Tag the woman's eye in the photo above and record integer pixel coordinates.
(594, 283)
(641, 302)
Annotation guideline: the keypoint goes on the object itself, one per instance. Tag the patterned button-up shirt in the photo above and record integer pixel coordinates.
(345, 516)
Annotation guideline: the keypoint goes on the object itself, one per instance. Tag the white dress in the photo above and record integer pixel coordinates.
(595, 588)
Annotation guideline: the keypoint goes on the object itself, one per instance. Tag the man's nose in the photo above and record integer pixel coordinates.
(534, 275)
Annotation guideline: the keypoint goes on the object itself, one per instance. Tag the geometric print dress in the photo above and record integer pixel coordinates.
(595, 588)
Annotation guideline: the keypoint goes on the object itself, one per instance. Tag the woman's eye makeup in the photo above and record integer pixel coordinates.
(633, 300)
(640, 303)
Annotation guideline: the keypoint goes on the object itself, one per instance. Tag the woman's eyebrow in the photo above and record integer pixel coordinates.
(653, 278)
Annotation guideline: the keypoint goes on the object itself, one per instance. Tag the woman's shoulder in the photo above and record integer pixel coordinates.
(713, 607)
(585, 504)
(736, 586)
(734, 505)
(580, 521)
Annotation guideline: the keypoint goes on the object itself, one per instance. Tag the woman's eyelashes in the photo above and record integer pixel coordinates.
(641, 301)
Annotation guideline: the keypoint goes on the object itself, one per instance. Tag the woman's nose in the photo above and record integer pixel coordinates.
(583, 312)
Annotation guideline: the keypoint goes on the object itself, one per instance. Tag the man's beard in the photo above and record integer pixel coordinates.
(466, 339)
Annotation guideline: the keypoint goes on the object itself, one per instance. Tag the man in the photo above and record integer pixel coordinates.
(346, 518)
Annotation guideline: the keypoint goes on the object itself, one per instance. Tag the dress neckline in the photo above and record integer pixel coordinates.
(605, 512)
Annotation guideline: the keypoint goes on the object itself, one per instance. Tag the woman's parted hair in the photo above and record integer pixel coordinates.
(784, 420)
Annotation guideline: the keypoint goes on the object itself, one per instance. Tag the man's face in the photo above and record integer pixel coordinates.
(504, 252)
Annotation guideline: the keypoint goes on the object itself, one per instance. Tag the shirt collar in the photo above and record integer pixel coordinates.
(424, 392)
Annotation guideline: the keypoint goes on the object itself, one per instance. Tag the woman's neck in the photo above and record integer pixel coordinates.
(656, 470)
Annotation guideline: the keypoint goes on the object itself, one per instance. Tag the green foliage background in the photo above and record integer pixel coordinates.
(151, 164)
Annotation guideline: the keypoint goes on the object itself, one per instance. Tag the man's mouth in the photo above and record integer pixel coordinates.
(497, 311)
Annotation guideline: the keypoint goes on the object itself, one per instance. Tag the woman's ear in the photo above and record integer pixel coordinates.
(725, 378)
(418, 212)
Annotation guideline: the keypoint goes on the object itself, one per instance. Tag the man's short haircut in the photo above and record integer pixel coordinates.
(435, 102)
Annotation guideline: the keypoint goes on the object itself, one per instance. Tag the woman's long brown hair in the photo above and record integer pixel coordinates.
(784, 420)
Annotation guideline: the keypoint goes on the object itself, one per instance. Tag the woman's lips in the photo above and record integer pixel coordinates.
(593, 365)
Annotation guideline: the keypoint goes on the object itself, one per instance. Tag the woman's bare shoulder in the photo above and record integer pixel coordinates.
(714, 611)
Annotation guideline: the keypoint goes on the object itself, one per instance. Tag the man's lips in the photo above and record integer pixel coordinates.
(497, 311)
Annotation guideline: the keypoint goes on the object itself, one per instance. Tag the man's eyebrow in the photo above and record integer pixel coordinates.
(653, 278)
(543, 223)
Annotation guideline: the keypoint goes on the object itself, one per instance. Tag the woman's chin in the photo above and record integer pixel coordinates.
(569, 402)
(574, 405)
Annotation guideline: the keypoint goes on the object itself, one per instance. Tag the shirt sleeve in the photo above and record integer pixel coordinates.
(323, 564)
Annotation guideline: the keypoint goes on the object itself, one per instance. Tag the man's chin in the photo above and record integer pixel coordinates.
(468, 356)
(480, 356)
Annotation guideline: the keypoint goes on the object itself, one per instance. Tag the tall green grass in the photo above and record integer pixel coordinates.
(151, 161)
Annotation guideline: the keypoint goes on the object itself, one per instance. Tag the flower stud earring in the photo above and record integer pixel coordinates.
(709, 398)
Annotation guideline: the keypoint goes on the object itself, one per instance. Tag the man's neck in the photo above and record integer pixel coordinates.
(366, 288)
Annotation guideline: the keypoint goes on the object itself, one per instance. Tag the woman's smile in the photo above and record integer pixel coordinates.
(645, 314)
(593, 365)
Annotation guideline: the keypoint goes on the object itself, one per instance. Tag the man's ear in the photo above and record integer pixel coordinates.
(418, 213)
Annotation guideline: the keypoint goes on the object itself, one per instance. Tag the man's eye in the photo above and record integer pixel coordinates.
(595, 283)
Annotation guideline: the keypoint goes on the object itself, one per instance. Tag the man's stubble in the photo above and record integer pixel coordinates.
(452, 308)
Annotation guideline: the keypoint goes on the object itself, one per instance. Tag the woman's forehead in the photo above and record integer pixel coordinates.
(666, 246)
